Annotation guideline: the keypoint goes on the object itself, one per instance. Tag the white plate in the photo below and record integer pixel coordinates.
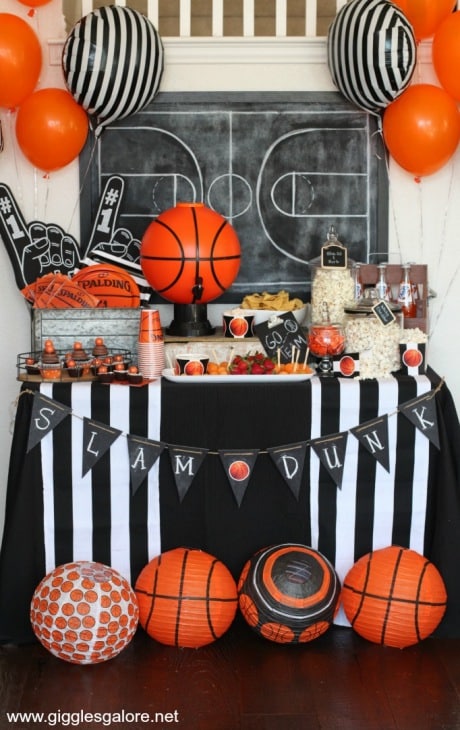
(208, 379)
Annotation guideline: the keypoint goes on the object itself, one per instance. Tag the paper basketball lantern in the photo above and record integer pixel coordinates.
(289, 593)
(84, 612)
(394, 596)
(190, 254)
(187, 598)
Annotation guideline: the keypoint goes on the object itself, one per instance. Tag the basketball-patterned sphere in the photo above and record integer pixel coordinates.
(187, 598)
(190, 254)
(394, 596)
(84, 612)
(289, 593)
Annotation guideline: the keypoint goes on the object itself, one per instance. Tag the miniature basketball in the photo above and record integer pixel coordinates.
(110, 284)
(289, 593)
(190, 254)
(84, 612)
(394, 596)
(187, 598)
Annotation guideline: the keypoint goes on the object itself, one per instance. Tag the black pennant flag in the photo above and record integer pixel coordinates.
(46, 414)
(143, 453)
(421, 412)
(289, 461)
(185, 462)
(238, 467)
(331, 453)
(97, 439)
(373, 435)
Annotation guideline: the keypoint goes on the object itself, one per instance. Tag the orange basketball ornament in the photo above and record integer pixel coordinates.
(394, 596)
(187, 598)
(84, 612)
(190, 254)
(289, 593)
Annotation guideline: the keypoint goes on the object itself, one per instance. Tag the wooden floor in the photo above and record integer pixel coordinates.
(241, 682)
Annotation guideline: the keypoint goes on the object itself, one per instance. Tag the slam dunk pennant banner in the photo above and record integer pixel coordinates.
(47, 414)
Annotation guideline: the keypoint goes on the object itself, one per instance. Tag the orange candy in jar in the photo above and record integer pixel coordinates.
(326, 339)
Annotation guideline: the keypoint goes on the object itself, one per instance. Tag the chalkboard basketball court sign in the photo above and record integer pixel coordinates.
(281, 167)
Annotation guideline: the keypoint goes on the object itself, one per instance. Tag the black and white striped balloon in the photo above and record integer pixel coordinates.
(371, 53)
(113, 63)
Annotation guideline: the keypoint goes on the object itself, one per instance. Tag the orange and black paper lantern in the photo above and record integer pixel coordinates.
(394, 596)
(289, 593)
(187, 598)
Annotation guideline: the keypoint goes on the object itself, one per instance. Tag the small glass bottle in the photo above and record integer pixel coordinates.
(357, 282)
(382, 286)
(405, 296)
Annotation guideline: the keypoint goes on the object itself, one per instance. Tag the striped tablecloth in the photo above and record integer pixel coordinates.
(54, 514)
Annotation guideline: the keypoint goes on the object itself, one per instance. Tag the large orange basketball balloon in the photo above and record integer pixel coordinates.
(190, 254)
(394, 596)
(425, 15)
(446, 54)
(421, 129)
(51, 128)
(20, 60)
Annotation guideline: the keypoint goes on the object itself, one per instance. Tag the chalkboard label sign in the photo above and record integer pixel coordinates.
(334, 256)
(383, 313)
(282, 333)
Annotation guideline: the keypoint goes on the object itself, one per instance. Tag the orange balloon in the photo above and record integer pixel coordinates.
(34, 3)
(421, 129)
(446, 54)
(20, 60)
(425, 15)
(51, 128)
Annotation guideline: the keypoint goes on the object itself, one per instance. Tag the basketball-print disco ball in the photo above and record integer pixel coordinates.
(394, 596)
(84, 612)
(187, 598)
(289, 593)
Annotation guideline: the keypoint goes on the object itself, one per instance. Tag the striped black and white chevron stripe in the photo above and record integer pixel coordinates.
(371, 52)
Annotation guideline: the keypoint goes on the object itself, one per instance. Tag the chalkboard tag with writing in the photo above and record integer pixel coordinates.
(284, 334)
(383, 313)
(334, 256)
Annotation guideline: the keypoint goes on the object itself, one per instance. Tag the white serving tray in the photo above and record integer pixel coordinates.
(168, 373)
